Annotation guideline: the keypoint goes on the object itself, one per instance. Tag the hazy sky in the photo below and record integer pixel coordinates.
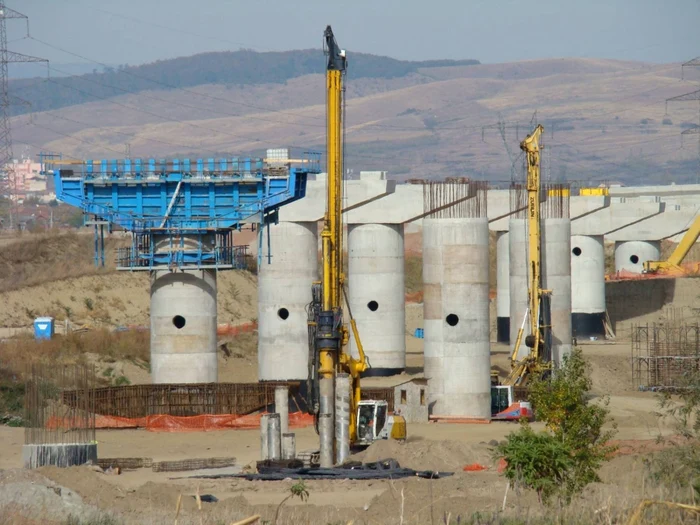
(138, 31)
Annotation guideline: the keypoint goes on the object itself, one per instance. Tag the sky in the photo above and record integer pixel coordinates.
(140, 31)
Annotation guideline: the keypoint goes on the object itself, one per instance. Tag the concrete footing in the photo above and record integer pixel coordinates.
(59, 455)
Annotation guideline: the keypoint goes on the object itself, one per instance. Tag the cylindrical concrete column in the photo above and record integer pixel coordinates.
(630, 256)
(264, 437)
(502, 288)
(274, 437)
(587, 286)
(183, 326)
(289, 447)
(456, 316)
(556, 276)
(282, 407)
(342, 418)
(377, 295)
(284, 291)
(517, 242)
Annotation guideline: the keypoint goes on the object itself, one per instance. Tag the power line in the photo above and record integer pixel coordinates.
(8, 184)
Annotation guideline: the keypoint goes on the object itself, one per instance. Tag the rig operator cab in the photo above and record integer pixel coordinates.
(374, 423)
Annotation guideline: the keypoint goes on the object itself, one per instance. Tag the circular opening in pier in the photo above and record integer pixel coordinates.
(576, 251)
(373, 305)
(283, 313)
(179, 322)
(452, 319)
(634, 259)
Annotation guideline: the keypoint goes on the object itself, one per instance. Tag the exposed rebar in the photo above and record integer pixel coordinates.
(49, 419)
(455, 198)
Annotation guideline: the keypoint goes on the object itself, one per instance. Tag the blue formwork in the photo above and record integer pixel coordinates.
(164, 200)
(43, 328)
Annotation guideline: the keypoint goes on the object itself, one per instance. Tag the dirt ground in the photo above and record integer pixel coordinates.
(143, 496)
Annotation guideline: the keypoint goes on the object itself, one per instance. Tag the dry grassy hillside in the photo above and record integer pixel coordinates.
(55, 275)
(605, 119)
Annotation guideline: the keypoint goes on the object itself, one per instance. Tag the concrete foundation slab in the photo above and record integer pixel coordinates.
(59, 455)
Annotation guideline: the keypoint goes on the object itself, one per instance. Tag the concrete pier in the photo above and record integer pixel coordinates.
(264, 437)
(274, 437)
(289, 448)
(376, 295)
(284, 291)
(556, 276)
(282, 407)
(183, 326)
(456, 316)
(631, 255)
(517, 242)
(587, 286)
(502, 287)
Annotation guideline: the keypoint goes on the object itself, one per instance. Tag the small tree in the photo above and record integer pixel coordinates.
(298, 490)
(562, 402)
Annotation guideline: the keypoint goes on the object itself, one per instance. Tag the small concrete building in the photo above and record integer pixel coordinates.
(411, 400)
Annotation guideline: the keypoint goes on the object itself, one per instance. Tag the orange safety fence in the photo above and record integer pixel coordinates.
(231, 329)
(474, 467)
(166, 423)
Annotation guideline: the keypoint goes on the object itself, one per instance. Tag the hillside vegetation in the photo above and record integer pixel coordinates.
(244, 67)
(605, 120)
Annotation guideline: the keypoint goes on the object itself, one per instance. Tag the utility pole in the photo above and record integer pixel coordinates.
(8, 179)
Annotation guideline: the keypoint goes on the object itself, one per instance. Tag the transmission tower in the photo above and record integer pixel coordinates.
(694, 95)
(8, 184)
(501, 127)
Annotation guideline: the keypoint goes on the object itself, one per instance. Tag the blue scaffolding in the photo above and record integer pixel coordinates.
(182, 212)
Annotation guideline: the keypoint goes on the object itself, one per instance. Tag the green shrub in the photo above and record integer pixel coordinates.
(536, 460)
(563, 403)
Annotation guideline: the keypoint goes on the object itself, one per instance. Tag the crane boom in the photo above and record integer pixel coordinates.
(673, 263)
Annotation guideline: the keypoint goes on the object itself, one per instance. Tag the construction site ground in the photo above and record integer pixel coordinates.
(144, 496)
(51, 495)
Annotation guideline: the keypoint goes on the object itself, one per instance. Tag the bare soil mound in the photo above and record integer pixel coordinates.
(419, 454)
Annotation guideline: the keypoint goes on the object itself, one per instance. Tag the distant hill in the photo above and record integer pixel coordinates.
(605, 120)
(231, 68)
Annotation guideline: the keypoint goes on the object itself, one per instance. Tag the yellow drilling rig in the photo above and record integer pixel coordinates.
(343, 419)
(539, 339)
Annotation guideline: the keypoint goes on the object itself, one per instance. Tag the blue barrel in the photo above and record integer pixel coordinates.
(43, 328)
(418, 333)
